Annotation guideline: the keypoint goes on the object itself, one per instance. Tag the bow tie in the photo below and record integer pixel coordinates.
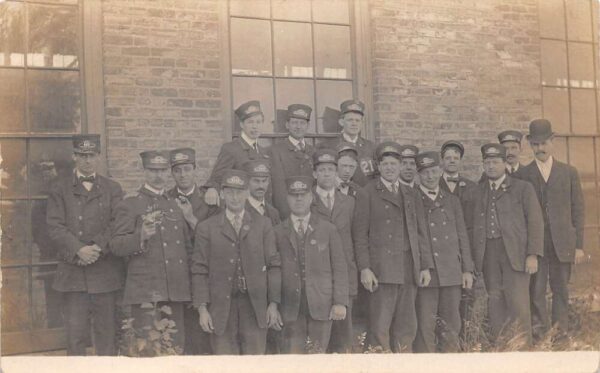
(89, 179)
(344, 184)
(451, 179)
(180, 195)
(432, 192)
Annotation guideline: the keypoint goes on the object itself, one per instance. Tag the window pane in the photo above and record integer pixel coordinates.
(48, 159)
(15, 300)
(12, 34)
(579, 20)
(54, 101)
(331, 11)
(552, 19)
(261, 89)
(580, 156)
(583, 111)
(250, 8)
(53, 36)
(12, 100)
(293, 49)
(294, 91)
(560, 149)
(581, 65)
(46, 302)
(556, 108)
(332, 51)
(330, 95)
(43, 249)
(554, 63)
(15, 229)
(297, 10)
(13, 169)
(250, 47)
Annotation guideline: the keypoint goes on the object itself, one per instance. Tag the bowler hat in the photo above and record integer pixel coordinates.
(540, 130)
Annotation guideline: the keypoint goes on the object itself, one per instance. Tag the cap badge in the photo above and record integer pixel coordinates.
(493, 151)
(181, 157)
(427, 161)
(408, 152)
(159, 159)
(354, 107)
(300, 112)
(389, 149)
(261, 168)
(251, 109)
(326, 158)
(235, 180)
(299, 185)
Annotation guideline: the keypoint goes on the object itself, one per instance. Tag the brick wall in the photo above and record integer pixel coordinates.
(462, 69)
(161, 81)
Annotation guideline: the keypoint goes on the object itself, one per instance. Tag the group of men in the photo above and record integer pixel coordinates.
(279, 246)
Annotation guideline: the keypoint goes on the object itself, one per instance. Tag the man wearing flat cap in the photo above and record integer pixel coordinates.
(352, 122)
(314, 273)
(558, 190)
(347, 165)
(190, 199)
(337, 208)
(292, 156)
(236, 274)
(408, 165)
(392, 250)
(507, 243)
(259, 178)
(438, 303)
(235, 153)
(79, 212)
(151, 231)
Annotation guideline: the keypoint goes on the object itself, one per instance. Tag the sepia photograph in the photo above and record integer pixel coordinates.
(300, 185)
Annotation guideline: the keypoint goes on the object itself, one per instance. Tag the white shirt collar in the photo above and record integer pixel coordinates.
(426, 190)
(388, 185)
(446, 175)
(323, 193)
(547, 164)
(509, 167)
(296, 142)
(258, 205)
(305, 220)
(349, 139)
(411, 184)
(248, 140)
(79, 174)
(160, 192)
(188, 193)
(230, 214)
(497, 182)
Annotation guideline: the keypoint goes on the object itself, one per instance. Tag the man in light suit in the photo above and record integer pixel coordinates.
(314, 273)
(337, 208)
(559, 192)
(508, 241)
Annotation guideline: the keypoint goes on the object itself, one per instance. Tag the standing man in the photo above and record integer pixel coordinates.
(151, 231)
(512, 142)
(352, 122)
(314, 273)
(507, 241)
(259, 177)
(347, 165)
(337, 208)
(439, 302)
(79, 212)
(559, 193)
(190, 199)
(392, 251)
(235, 153)
(236, 274)
(408, 165)
(292, 156)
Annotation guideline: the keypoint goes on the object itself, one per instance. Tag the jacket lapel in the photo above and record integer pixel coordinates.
(319, 206)
(246, 221)
(227, 228)
(338, 203)
(502, 188)
(387, 195)
(555, 173)
(292, 235)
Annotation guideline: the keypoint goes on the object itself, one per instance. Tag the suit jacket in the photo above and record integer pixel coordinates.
(159, 270)
(213, 266)
(270, 212)
(377, 241)
(286, 161)
(565, 206)
(367, 167)
(76, 218)
(520, 219)
(466, 191)
(232, 156)
(325, 268)
(449, 238)
(341, 216)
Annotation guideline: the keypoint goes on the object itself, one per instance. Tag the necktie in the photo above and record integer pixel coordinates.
(301, 146)
(343, 184)
(493, 187)
(89, 179)
(512, 169)
(452, 179)
(255, 146)
(301, 227)
(237, 223)
(261, 208)
(329, 202)
(394, 188)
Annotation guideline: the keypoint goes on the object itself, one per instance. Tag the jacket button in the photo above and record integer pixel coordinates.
(295, 274)
(387, 206)
(80, 217)
(435, 254)
(162, 228)
(388, 221)
(232, 245)
(231, 261)
(434, 239)
(433, 224)
(175, 227)
(229, 278)
(177, 242)
(390, 236)
(167, 261)
(80, 233)
(227, 297)
(444, 223)
(446, 237)
(164, 244)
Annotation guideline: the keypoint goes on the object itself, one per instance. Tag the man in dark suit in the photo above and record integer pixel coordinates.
(314, 273)
(392, 251)
(259, 177)
(507, 242)
(408, 165)
(79, 212)
(236, 274)
(337, 208)
(559, 192)
(352, 122)
(291, 156)
(150, 230)
(190, 199)
(511, 140)
(438, 303)
(235, 153)
(347, 164)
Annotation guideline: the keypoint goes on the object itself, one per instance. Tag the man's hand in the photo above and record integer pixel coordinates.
(205, 320)
(188, 211)
(579, 256)
(424, 277)
(531, 264)
(211, 197)
(338, 312)
(467, 280)
(368, 279)
(148, 230)
(89, 254)
(273, 317)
